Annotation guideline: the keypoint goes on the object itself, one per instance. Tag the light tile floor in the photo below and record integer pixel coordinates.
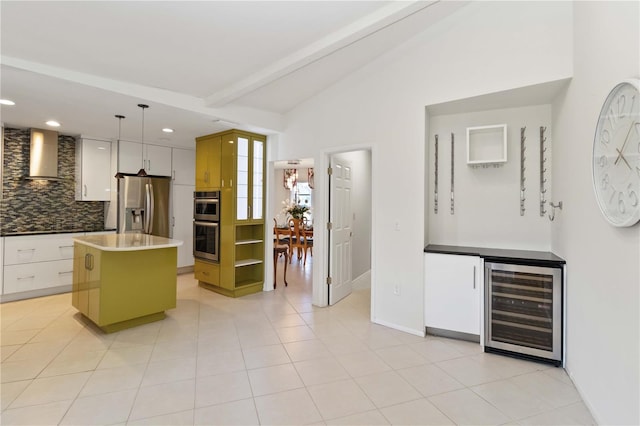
(269, 358)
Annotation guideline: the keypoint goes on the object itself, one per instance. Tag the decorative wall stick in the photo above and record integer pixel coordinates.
(543, 170)
(522, 168)
(452, 157)
(435, 191)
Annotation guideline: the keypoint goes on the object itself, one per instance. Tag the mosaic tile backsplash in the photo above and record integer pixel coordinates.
(33, 205)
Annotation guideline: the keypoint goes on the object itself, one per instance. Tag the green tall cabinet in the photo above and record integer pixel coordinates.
(239, 158)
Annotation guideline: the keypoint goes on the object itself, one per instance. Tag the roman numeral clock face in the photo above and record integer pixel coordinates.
(616, 155)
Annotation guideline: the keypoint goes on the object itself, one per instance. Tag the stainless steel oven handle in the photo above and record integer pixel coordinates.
(208, 224)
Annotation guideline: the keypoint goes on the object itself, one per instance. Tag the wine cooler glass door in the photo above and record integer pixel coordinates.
(524, 309)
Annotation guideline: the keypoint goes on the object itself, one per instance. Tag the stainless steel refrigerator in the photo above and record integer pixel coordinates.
(143, 205)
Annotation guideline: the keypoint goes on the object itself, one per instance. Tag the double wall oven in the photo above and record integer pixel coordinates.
(206, 225)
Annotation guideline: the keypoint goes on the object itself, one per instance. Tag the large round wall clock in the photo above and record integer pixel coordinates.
(616, 155)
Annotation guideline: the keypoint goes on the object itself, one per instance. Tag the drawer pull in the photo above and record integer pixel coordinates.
(65, 246)
(27, 249)
(30, 277)
(65, 272)
(205, 273)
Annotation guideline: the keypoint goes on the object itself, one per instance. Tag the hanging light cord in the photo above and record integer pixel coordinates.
(143, 106)
(119, 117)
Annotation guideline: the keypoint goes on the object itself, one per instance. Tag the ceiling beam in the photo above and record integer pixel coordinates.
(246, 116)
(333, 42)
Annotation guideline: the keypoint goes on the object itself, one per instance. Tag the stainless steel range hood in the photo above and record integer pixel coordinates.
(43, 155)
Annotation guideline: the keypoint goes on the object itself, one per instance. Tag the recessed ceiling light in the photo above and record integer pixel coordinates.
(6, 102)
(52, 123)
(167, 130)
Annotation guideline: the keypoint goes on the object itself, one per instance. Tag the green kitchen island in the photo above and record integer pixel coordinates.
(124, 280)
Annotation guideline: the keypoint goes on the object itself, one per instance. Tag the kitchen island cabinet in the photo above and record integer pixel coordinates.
(124, 280)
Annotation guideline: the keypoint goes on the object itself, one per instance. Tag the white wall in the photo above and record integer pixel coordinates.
(487, 200)
(361, 210)
(280, 194)
(485, 47)
(603, 278)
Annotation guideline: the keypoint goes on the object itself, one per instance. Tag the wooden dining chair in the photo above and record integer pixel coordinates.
(280, 248)
(298, 240)
(281, 235)
(308, 230)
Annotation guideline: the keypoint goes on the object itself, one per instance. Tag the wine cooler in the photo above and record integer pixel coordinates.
(523, 311)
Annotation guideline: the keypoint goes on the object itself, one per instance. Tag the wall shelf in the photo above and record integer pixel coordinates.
(487, 144)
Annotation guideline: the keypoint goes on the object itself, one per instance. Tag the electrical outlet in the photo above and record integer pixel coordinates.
(396, 289)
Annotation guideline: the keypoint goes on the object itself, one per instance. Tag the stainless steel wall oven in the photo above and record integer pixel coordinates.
(523, 311)
(206, 225)
(206, 206)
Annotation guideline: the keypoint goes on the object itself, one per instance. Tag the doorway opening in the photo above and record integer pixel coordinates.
(293, 194)
(349, 208)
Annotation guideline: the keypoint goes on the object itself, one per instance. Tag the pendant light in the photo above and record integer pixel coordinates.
(142, 171)
(119, 175)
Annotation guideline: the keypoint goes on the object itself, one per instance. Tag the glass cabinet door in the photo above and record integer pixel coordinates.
(257, 180)
(242, 179)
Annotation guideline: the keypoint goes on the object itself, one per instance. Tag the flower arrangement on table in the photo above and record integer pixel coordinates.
(296, 211)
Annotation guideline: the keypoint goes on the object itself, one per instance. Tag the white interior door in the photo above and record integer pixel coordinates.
(341, 231)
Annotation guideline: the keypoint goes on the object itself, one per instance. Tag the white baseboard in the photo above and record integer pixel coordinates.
(362, 282)
(415, 332)
(11, 297)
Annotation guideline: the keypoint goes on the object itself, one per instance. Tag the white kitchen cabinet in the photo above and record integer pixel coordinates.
(453, 292)
(38, 248)
(184, 166)
(155, 159)
(129, 157)
(93, 170)
(1, 264)
(37, 265)
(38, 276)
(183, 222)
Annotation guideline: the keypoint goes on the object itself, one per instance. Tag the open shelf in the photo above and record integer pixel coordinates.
(247, 262)
(487, 144)
(252, 241)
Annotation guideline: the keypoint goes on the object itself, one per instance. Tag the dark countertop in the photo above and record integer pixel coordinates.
(53, 231)
(529, 257)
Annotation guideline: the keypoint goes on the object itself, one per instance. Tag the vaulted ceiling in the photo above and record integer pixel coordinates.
(202, 66)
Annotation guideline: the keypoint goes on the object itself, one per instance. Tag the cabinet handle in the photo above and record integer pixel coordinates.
(206, 177)
(65, 246)
(173, 174)
(474, 276)
(88, 261)
(85, 190)
(230, 183)
(149, 163)
(30, 277)
(27, 249)
(65, 272)
(205, 273)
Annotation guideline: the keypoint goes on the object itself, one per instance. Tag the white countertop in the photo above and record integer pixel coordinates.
(127, 242)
